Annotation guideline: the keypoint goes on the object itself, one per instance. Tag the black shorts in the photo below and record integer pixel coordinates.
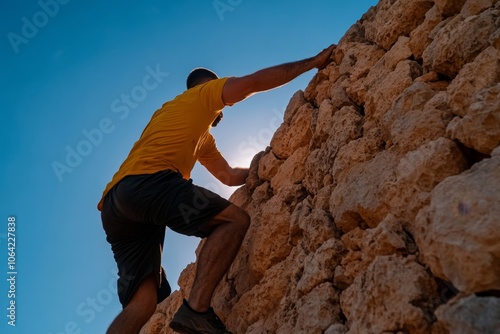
(134, 216)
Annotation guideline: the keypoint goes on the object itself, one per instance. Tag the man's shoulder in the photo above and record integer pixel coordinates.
(212, 88)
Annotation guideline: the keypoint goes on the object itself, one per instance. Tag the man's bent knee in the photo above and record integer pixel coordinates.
(244, 218)
(241, 221)
(239, 216)
(232, 215)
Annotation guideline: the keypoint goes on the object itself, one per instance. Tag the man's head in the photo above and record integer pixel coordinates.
(201, 75)
(198, 76)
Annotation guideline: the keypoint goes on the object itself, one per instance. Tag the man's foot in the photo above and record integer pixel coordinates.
(188, 321)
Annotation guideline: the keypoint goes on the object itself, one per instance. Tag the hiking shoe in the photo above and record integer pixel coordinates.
(187, 321)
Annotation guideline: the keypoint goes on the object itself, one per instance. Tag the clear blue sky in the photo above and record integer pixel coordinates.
(71, 68)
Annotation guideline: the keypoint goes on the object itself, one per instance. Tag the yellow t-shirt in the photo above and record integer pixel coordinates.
(177, 135)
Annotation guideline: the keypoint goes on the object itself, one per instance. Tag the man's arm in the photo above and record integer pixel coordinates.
(226, 174)
(237, 89)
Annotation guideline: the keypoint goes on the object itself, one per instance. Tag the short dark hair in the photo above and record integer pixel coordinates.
(198, 75)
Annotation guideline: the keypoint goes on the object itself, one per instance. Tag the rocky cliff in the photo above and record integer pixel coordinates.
(376, 208)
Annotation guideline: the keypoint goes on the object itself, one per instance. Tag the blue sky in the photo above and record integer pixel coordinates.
(79, 81)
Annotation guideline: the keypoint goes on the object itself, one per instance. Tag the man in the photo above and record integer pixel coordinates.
(152, 190)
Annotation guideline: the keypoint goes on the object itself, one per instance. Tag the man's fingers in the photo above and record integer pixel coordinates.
(324, 57)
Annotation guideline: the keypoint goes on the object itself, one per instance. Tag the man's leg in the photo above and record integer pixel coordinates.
(227, 231)
(138, 311)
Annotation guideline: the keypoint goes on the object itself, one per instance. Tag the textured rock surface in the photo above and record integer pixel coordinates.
(469, 315)
(458, 232)
(376, 207)
(393, 294)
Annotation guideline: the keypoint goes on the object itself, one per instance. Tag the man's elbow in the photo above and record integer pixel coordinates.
(229, 184)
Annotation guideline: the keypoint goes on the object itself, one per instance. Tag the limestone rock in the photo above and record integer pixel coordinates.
(419, 38)
(268, 294)
(317, 309)
(375, 208)
(158, 324)
(288, 138)
(394, 19)
(482, 117)
(268, 167)
(419, 115)
(155, 324)
(337, 329)
(292, 171)
(339, 127)
(475, 7)
(458, 232)
(449, 7)
(469, 315)
(394, 294)
(385, 87)
(253, 180)
(358, 58)
(270, 240)
(365, 245)
(482, 73)
(317, 229)
(317, 90)
(322, 127)
(393, 183)
(293, 106)
(319, 266)
(459, 42)
(356, 152)
(399, 52)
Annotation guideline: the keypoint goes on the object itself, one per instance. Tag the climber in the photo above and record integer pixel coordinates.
(152, 190)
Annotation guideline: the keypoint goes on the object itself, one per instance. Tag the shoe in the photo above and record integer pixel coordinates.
(187, 321)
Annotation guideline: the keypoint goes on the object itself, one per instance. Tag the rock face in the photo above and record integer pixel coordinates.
(376, 208)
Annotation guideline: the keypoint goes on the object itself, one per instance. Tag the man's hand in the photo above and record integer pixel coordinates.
(323, 58)
(226, 174)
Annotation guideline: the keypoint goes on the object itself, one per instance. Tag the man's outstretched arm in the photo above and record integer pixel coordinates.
(237, 89)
